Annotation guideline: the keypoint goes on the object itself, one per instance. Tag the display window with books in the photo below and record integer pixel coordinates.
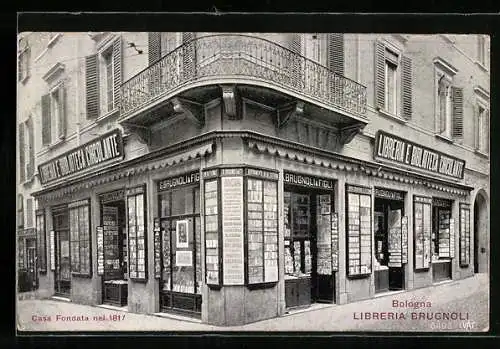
(443, 239)
(464, 235)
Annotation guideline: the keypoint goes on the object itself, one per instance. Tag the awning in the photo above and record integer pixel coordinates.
(112, 174)
(307, 156)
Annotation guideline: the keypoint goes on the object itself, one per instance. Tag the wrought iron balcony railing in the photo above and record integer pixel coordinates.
(230, 57)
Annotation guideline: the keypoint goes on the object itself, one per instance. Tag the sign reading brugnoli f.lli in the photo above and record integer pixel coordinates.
(98, 151)
(399, 150)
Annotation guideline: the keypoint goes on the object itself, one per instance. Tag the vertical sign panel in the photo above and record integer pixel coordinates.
(52, 250)
(211, 232)
(100, 251)
(404, 236)
(157, 247)
(232, 230)
(335, 241)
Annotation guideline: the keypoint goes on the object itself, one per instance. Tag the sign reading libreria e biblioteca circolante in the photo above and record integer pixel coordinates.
(390, 147)
(103, 149)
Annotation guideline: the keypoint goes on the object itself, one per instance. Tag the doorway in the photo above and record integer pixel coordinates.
(115, 277)
(31, 266)
(63, 266)
(481, 232)
(308, 267)
(388, 213)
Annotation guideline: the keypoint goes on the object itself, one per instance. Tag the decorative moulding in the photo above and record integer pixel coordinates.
(442, 64)
(482, 92)
(53, 72)
(54, 39)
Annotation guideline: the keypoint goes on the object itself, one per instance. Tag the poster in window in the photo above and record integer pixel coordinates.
(395, 238)
(181, 229)
(325, 204)
(335, 242)
(157, 247)
(183, 258)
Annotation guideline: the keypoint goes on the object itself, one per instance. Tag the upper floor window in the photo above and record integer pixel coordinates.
(20, 211)
(482, 50)
(448, 102)
(393, 76)
(54, 115)
(26, 150)
(314, 47)
(103, 77)
(482, 121)
(24, 64)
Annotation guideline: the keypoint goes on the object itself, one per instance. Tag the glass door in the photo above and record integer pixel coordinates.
(63, 273)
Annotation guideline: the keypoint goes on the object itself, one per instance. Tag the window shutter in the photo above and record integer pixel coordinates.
(46, 123)
(336, 52)
(31, 150)
(62, 112)
(476, 127)
(22, 166)
(188, 55)
(458, 111)
(117, 71)
(379, 75)
(406, 84)
(92, 86)
(154, 47)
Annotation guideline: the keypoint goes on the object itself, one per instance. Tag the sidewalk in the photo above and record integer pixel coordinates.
(466, 302)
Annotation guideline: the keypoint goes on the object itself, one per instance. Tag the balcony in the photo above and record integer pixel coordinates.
(246, 60)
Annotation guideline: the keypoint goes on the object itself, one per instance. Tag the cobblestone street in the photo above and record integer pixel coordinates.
(466, 302)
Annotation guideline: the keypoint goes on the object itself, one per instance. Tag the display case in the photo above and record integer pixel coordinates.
(464, 235)
(136, 233)
(422, 223)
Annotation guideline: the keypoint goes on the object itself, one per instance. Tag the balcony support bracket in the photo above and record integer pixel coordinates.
(231, 101)
(143, 132)
(192, 110)
(289, 111)
(347, 133)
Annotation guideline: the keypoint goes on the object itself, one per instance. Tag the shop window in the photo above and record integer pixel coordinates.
(136, 227)
(212, 237)
(442, 235)
(41, 241)
(464, 235)
(359, 234)
(262, 223)
(79, 226)
(250, 258)
(422, 227)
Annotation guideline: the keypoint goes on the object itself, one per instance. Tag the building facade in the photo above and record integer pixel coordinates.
(235, 177)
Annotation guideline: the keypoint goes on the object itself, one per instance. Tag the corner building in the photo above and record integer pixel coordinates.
(236, 177)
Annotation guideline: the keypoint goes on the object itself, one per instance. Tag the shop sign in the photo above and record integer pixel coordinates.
(101, 150)
(401, 151)
(26, 232)
(307, 181)
(177, 181)
(112, 196)
(262, 173)
(441, 202)
(389, 194)
(211, 173)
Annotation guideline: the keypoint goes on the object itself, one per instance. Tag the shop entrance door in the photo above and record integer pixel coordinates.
(31, 264)
(63, 266)
(115, 280)
(388, 214)
(180, 283)
(307, 227)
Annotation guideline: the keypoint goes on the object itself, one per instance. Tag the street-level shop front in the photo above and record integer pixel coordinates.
(182, 231)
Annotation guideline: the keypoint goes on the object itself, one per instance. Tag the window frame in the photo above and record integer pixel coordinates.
(135, 192)
(392, 56)
(76, 206)
(444, 73)
(481, 131)
(106, 63)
